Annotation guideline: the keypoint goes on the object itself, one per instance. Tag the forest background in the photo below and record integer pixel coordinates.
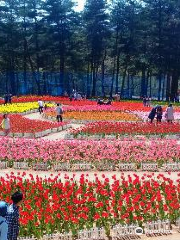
(126, 46)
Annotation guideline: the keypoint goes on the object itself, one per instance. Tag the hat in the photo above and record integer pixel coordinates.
(3, 208)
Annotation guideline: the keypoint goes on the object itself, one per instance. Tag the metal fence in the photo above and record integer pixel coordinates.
(50, 83)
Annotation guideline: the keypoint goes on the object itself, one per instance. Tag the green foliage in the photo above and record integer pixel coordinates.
(123, 38)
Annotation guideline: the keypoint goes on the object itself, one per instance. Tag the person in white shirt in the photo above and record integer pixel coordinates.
(5, 124)
(169, 114)
(3, 223)
(59, 113)
(41, 105)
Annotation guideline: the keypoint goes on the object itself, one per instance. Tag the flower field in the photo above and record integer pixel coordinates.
(116, 129)
(51, 205)
(89, 151)
(20, 124)
(96, 115)
(20, 107)
(61, 203)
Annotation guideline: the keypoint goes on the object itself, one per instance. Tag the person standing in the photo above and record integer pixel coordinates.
(59, 112)
(5, 124)
(148, 102)
(152, 114)
(40, 103)
(10, 98)
(144, 101)
(169, 115)
(159, 113)
(12, 217)
(3, 223)
(5, 99)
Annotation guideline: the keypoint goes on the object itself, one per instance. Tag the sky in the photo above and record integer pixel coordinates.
(80, 5)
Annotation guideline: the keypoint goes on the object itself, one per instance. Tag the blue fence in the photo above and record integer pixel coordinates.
(51, 83)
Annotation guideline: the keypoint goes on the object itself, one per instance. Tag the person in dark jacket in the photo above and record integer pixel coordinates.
(152, 114)
(159, 111)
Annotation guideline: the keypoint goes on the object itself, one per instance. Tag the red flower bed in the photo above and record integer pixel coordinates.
(51, 205)
(62, 100)
(106, 128)
(20, 124)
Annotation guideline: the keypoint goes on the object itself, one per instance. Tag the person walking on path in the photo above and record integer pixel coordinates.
(5, 124)
(3, 222)
(59, 112)
(41, 105)
(12, 217)
(159, 113)
(152, 114)
(169, 115)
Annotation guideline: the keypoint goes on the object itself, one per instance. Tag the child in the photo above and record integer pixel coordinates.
(5, 124)
(13, 216)
(3, 223)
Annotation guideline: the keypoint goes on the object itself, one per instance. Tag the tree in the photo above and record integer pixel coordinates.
(96, 25)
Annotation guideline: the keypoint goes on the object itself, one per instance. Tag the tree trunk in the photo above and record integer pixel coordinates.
(102, 72)
(93, 82)
(123, 81)
(88, 81)
(168, 86)
(160, 83)
(37, 57)
(128, 86)
(132, 86)
(117, 71)
(174, 85)
(143, 82)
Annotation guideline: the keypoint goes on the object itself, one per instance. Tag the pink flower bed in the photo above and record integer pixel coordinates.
(89, 150)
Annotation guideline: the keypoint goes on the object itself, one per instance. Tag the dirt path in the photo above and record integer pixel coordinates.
(90, 175)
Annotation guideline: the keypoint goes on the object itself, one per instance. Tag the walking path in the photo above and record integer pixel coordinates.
(53, 136)
(90, 175)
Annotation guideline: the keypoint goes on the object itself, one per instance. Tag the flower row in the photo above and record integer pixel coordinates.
(20, 124)
(96, 115)
(64, 100)
(20, 107)
(89, 151)
(117, 128)
(52, 205)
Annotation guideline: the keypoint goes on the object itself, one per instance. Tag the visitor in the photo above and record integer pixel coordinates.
(159, 111)
(99, 102)
(152, 114)
(148, 102)
(144, 101)
(5, 99)
(10, 98)
(40, 103)
(12, 217)
(3, 223)
(45, 107)
(108, 102)
(79, 97)
(169, 114)
(59, 112)
(5, 124)
(75, 96)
